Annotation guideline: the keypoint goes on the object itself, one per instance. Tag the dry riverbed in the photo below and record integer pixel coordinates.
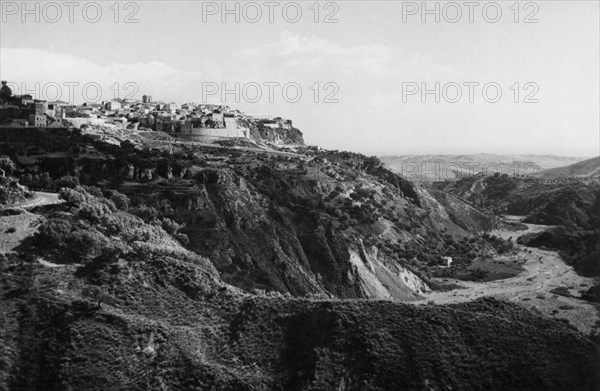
(544, 271)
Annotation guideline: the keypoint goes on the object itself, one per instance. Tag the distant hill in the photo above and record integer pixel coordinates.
(586, 169)
(431, 168)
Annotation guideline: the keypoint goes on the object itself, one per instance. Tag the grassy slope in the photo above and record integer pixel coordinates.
(15, 227)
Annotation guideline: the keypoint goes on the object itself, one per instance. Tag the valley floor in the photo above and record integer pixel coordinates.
(544, 272)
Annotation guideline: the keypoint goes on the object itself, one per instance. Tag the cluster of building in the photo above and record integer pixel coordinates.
(197, 122)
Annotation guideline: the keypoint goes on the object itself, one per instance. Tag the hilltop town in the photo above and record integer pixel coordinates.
(203, 123)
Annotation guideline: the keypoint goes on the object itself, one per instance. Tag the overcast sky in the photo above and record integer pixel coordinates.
(371, 53)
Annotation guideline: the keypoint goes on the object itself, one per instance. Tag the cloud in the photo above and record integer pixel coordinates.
(310, 54)
(23, 62)
(35, 70)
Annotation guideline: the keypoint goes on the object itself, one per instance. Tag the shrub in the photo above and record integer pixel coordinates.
(120, 200)
(39, 181)
(72, 197)
(592, 294)
(68, 181)
(182, 238)
(93, 190)
(93, 211)
(146, 213)
(10, 192)
(170, 226)
(7, 165)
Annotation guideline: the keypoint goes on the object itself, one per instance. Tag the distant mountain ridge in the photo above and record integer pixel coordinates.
(585, 169)
(432, 168)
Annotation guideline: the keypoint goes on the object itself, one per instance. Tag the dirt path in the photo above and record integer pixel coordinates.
(40, 199)
(544, 271)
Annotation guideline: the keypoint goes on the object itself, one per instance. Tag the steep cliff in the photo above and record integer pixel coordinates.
(273, 134)
(278, 137)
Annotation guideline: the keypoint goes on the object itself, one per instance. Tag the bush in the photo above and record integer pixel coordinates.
(170, 226)
(41, 181)
(120, 200)
(69, 242)
(68, 181)
(500, 245)
(7, 165)
(93, 211)
(592, 294)
(94, 191)
(182, 238)
(72, 197)
(97, 232)
(146, 213)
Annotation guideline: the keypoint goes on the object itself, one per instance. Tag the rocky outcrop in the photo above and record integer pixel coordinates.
(381, 279)
(277, 136)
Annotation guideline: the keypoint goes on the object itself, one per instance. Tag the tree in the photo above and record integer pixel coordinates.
(96, 293)
(7, 166)
(67, 181)
(120, 200)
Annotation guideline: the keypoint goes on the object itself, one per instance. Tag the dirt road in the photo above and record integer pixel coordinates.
(544, 271)
(40, 198)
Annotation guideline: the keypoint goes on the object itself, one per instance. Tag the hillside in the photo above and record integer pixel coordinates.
(586, 169)
(176, 266)
(317, 222)
(162, 323)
